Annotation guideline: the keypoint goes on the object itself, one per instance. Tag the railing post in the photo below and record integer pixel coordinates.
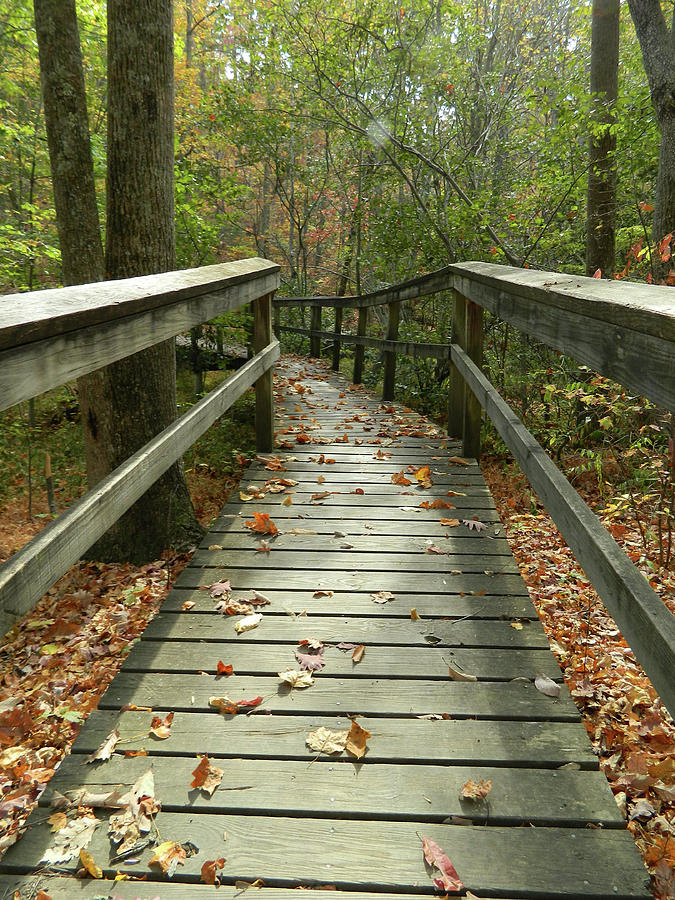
(315, 325)
(360, 350)
(388, 382)
(276, 311)
(472, 407)
(337, 343)
(457, 388)
(264, 403)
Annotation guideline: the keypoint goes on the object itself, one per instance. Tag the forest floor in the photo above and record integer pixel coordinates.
(57, 661)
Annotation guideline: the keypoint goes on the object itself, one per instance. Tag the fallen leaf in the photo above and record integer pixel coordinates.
(230, 607)
(219, 588)
(322, 594)
(382, 597)
(300, 531)
(423, 476)
(475, 790)
(457, 460)
(248, 623)
(57, 821)
(215, 547)
(187, 604)
(287, 501)
(161, 727)
(325, 740)
(357, 740)
(106, 749)
(206, 777)
(518, 626)
(262, 524)
(70, 840)
(87, 861)
(297, 678)
(414, 615)
(320, 479)
(209, 869)
(546, 685)
(223, 668)
(310, 662)
(41, 895)
(460, 676)
(263, 547)
(450, 523)
(436, 504)
(168, 856)
(449, 880)
(399, 478)
(320, 496)
(227, 706)
(357, 655)
(474, 524)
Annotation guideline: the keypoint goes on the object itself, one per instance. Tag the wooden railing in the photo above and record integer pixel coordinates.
(50, 337)
(622, 330)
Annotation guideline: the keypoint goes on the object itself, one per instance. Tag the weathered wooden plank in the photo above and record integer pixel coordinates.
(339, 580)
(335, 696)
(61, 887)
(377, 662)
(587, 863)
(353, 522)
(440, 742)
(35, 568)
(90, 333)
(429, 606)
(405, 496)
(298, 560)
(359, 506)
(644, 620)
(467, 549)
(391, 792)
(357, 630)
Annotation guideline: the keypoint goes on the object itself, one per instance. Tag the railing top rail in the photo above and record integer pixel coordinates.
(40, 315)
(641, 307)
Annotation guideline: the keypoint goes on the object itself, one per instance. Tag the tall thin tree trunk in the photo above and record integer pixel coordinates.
(601, 206)
(141, 389)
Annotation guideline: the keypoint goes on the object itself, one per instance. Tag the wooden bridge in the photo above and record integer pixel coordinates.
(379, 572)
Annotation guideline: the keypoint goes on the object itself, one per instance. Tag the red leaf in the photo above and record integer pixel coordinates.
(262, 524)
(224, 669)
(449, 880)
(597, 273)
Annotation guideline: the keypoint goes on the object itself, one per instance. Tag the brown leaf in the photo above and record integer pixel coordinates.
(460, 676)
(457, 460)
(399, 478)
(161, 727)
(357, 740)
(105, 751)
(475, 790)
(209, 869)
(382, 596)
(206, 777)
(357, 655)
(322, 594)
(450, 523)
(168, 856)
(187, 604)
(474, 524)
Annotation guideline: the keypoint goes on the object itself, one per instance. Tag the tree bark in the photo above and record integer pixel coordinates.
(658, 55)
(140, 391)
(601, 205)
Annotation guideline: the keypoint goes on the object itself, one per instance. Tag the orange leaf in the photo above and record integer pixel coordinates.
(475, 790)
(209, 869)
(399, 478)
(224, 669)
(414, 615)
(436, 504)
(458, 460)
(357, 740)
(42, 895)
(169, 855)
(262, 524)
(357, 655)
(423, 476)
(451, 523)
(206, 777)
(597, 273)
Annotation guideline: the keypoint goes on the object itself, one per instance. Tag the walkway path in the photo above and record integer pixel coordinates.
(349, 538)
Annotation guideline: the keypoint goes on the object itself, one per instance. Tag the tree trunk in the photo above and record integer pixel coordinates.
(140, 391)
(658, 54)
(601, 206)
(65, 107)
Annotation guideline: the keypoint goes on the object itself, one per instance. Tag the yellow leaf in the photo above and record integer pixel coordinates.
(87, 861)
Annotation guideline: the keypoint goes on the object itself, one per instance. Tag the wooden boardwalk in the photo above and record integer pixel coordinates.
(284, 814)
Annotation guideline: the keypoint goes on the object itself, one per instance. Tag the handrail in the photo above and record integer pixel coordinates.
(620, 329)
(614, 327)
(98, 324)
